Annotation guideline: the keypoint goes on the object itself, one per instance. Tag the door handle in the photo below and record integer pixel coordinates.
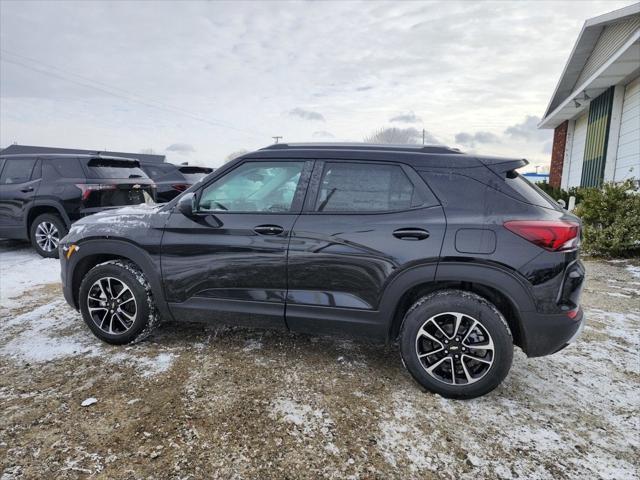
(27, 189)
(268, 229)
(411, 234)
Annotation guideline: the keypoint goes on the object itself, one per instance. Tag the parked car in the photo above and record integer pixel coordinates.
(171, 180)
(42, 195)
(455, 256)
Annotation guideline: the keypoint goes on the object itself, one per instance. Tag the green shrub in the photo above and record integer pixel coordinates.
(611, 219)
(558, 193)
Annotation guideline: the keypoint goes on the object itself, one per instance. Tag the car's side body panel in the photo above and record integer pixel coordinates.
(346, 272)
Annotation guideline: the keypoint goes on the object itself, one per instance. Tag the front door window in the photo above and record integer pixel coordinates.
(254, 187)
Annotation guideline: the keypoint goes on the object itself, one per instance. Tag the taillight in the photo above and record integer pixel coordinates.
(552, 235)
(180, 187)
(87, 188)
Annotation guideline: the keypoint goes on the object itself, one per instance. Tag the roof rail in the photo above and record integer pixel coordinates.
(363, 146)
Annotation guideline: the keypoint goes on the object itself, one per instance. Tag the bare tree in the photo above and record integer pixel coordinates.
(398, 136)
(236, 154)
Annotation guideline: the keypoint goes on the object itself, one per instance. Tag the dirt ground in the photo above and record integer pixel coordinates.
(197, 401)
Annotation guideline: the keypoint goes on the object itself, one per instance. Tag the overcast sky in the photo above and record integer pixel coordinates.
(199, 80)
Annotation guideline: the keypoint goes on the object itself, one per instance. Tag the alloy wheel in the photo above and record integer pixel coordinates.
(455, 348)
(112, 305)
(47, 236)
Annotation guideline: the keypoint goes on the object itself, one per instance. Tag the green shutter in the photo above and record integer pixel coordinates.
(595, 150)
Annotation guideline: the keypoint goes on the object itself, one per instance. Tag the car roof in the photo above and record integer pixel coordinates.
(66, 155)
(414, 155)
(417, 156)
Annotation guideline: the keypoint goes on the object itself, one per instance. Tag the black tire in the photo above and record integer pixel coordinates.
(462, 376)
(128, 274)
(47, 247)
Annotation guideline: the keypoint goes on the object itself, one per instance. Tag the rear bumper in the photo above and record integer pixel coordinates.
(547, 334)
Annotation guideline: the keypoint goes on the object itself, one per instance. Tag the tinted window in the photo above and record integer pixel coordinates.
(194, 174)
(17, 170)
(358, 187)
(166, 172)
(529, 191)
(254, 187)
(113, 168)
(53, 168)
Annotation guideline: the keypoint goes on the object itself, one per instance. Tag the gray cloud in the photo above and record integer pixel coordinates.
(306, 114)
(410, 117)
(527, 130)
(183, 148)
(86, 64)
(472, 139)
(323, 134)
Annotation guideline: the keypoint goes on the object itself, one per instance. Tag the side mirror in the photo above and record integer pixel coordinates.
(185, 204)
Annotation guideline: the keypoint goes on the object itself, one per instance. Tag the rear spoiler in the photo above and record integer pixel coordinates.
(500, 166)
(194, 169)
(113, 162)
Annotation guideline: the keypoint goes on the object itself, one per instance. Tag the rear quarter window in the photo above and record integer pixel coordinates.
(530, 192)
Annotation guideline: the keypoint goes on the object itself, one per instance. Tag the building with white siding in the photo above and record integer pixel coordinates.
(595, 108)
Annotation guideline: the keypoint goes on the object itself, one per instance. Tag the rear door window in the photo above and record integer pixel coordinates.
(114, 168)
(17, 170)
(362, 187)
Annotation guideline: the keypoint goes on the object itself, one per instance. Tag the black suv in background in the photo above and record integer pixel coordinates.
(171, 180)
(41, 195)
(456, 256)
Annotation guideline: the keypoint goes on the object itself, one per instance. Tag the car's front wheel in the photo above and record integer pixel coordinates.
(456, 343)
(116, 302)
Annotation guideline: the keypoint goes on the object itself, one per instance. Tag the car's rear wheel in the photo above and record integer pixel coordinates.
(116, 303)
(456, 343)
(45, 233)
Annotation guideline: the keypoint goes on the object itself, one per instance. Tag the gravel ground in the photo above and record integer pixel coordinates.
(196, 401)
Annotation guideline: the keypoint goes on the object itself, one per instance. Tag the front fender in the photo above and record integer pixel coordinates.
(102, 248)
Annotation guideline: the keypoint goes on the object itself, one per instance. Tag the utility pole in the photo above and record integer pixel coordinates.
(277, 138)
(423, 136)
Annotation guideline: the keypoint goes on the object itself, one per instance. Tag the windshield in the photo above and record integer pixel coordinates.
(114, 168)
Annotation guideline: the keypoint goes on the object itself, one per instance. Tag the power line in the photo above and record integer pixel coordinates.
(45, 69)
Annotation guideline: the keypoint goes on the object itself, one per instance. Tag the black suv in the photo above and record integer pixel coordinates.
(455, 256)
(171, 180)
(41, 195)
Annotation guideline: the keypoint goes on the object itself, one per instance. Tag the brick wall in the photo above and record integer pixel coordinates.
(557, 154)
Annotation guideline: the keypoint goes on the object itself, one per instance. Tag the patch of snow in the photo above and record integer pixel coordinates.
(42, 335)
(633, 270)
(252, 344)
(89, 401)
(403, 441)
(22, 269)
(308, 420)
(618, 294)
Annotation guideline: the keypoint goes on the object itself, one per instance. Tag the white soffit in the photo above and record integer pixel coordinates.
(624, 64)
